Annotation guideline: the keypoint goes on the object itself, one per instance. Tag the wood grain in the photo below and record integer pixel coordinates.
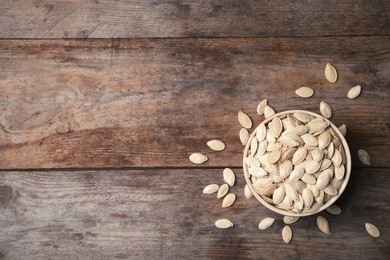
(152, 102)
(216, 18)
(149, 214)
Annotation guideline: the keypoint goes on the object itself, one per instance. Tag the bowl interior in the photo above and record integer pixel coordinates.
(329, 202)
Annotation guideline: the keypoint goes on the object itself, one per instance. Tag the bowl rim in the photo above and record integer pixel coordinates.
(329, 202)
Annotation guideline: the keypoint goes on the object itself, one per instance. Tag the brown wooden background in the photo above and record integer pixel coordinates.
(102, 102)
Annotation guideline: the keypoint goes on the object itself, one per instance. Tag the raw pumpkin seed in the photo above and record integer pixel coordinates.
(266, 223)
(372, 230)
(323, 225)
(287, 234)
(216, 145)
(325, 109)
(247, 192)
(228, 200)
(261, 107)
(290, 219)
(304, 92)
(229, 176)
(223, 190)
(334, 209)
(244, 136)
(268, 111)
(354, 92)
(223, 223)
(244, 120)
(210, 189)
(198, 158)
(364, 157)
(330, 73)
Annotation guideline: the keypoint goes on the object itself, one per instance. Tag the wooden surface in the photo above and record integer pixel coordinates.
(95, 133)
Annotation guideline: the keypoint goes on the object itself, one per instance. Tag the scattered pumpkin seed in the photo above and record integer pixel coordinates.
(229, 176)
(304, 92)
(228, 200)
(364, 157)
(216, 145)
(372, 230)
(323, 225)
(244, 120)
(198, 158)
(330, 73)
(354, 92)
(287, 234)
(223, 190)
(266, 223)
(261, 107)
(210, 189)
(223, 223)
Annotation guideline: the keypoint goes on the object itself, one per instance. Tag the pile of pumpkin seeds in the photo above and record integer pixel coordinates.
(298, 134)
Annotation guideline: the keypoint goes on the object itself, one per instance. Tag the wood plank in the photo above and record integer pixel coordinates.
(152, 102)
(163, 214)
(163, 18)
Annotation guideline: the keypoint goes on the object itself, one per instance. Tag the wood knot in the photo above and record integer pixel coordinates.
(5, 195)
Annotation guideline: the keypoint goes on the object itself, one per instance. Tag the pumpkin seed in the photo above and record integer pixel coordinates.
(285, 169)
(290, 219)
(291, 192)
(372, 230)
(339, 172)
(308, 198)
(252, 161)
(274, 156)
(300, 130)
(223, 223)
(276, 126)
(296, 174)
(244, 120)
(364, 157)
(287, 234)
(323, 225)
(279, 195)
(229, 176)
(330, 73)
(303, 117)
(216, 145)
(247, 192)
(228, 200)
(261, 132)
(334, 209)
(304, 92)
(330, 189)
(244, 136)
(223, 190)
(266, 223)
(309, 140)
(198, 158)
(257, 171)
(325, 109)
(261, 107)
(268, 111)
(354, 92)
(210, 189)
(254, 146)
(343, 129)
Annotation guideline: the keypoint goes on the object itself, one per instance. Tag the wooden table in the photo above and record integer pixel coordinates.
(102, 102)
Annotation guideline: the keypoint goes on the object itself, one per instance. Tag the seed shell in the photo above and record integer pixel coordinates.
(325, 109)
(354, 92)
(304, 92)
(323, 225)
(287, 234)
(223, 190)
(244, 120)
(228, 200)
(210, 189)
(261, 107)
(364, 157)
(198, 158)
(330, 73)
(223, 223)
(228, 176)
(372, 230)
(266, 223)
